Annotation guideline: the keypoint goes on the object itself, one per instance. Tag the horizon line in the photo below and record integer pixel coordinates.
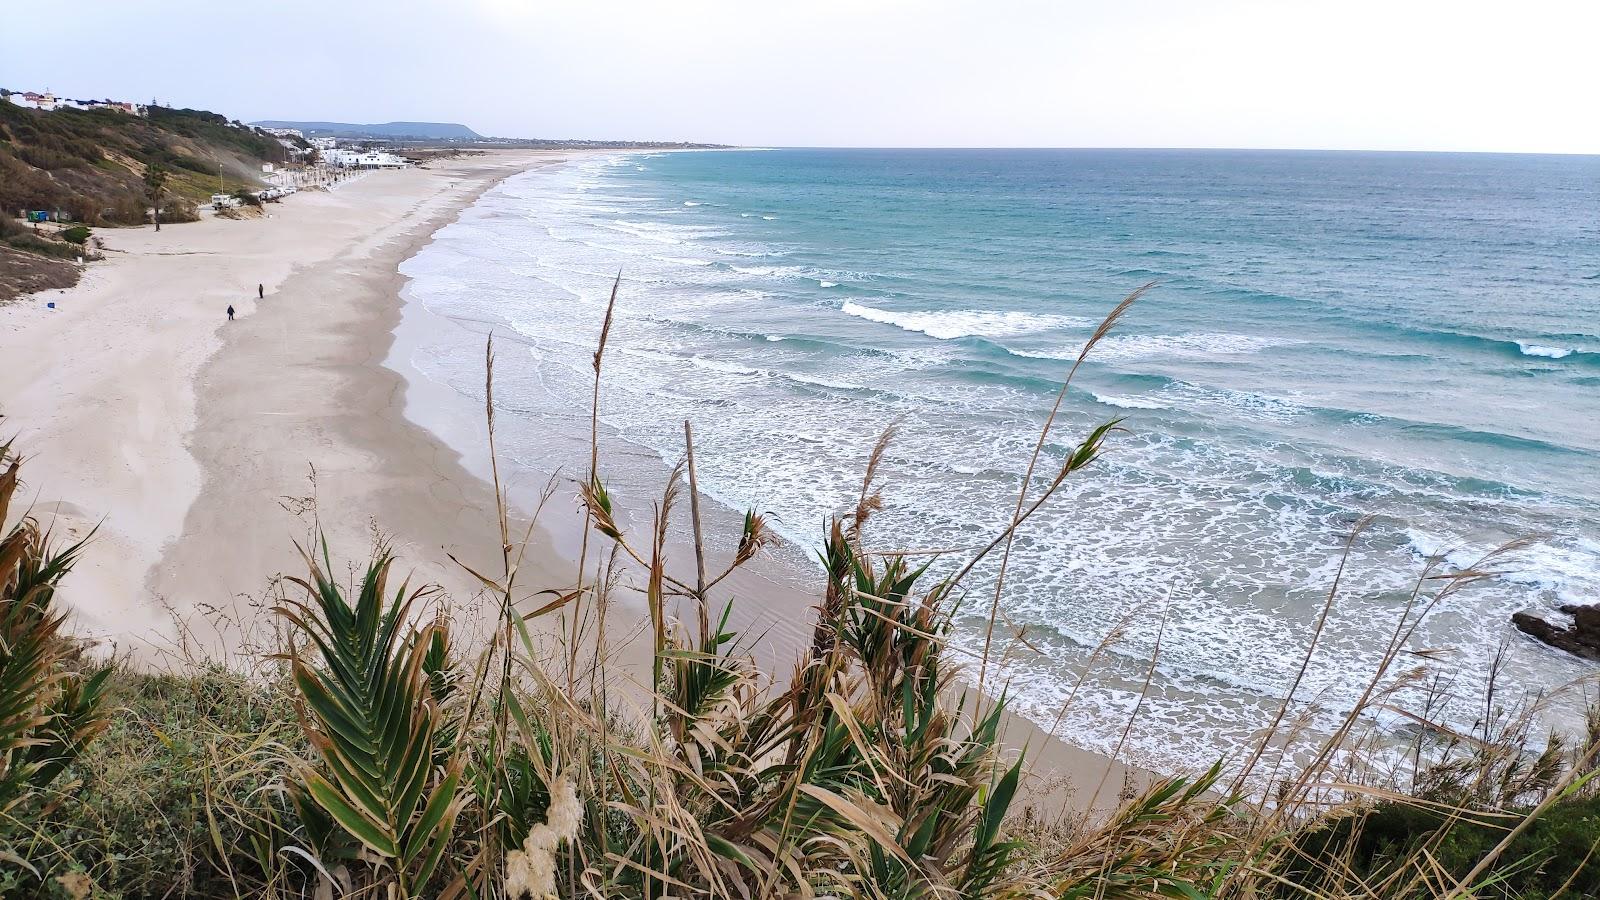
(1186, 149)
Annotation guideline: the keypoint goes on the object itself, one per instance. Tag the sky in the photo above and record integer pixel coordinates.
(1393, 75)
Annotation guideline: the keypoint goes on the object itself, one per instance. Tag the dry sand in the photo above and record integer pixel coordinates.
(187, 436)
(191, 440)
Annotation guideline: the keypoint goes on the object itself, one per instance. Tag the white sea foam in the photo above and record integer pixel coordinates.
(1542, 350)
(700, 362)
(747, 251)
(613, 198)
(827, 284)
(823, 382)
(778, 272)
(1428, 545)
(1128, 402)
(1247, 405)
(1568, 569)
(963, 323)
(639, 230)
(690, 203)
(1197, 345)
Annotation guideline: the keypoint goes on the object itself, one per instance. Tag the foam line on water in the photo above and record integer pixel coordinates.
(964, 323)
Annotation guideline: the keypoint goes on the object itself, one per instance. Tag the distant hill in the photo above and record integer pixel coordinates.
(447, 131)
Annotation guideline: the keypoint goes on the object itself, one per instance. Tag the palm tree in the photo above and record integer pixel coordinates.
(155, 188)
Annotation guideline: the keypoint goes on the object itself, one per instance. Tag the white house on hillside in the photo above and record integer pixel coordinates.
(48, 102)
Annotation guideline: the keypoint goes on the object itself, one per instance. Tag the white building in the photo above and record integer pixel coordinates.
(338, 158)
(324, 143)
(45, 101)
(362, 159)
(284, 132)
(48, 102)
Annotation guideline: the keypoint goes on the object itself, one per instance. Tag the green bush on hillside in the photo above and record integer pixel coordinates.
(77, 234)
(34, 243)
(88, 163)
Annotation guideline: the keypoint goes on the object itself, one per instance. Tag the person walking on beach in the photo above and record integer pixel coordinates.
(230, 312)
(261, 292)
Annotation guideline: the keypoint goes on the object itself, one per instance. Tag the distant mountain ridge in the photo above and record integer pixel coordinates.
(449, 131)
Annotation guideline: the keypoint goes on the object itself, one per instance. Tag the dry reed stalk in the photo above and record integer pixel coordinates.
(699, 537)
(594, 463)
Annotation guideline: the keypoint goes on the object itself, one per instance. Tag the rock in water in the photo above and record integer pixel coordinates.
(1581, 639)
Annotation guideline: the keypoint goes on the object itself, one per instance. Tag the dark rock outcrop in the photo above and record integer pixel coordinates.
(1581, 639)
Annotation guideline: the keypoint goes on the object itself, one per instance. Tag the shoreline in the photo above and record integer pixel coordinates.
(768, 590)
(378, 477)
(213, 426)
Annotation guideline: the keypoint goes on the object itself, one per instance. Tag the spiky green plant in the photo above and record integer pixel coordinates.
(370, 684)
(48, 712)
(859, 777)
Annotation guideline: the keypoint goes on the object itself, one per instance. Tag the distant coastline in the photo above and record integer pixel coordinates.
(451, 134)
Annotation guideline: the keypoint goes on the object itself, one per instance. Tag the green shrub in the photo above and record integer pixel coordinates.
(34, 243)
(77, 234)
(175, 209)
(180, 757)
(1392, 835)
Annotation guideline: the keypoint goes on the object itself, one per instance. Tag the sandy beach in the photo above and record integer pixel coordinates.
(200, 449)
(184, 436)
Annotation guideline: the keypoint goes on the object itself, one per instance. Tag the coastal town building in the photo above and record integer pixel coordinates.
(49, 102)
(362, 159)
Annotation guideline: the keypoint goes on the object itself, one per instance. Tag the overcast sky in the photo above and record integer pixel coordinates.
(1352, 74)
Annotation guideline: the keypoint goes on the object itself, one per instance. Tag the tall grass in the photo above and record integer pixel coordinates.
(540, 763)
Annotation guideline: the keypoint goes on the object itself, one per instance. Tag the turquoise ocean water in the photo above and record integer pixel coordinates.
(1410, 336)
